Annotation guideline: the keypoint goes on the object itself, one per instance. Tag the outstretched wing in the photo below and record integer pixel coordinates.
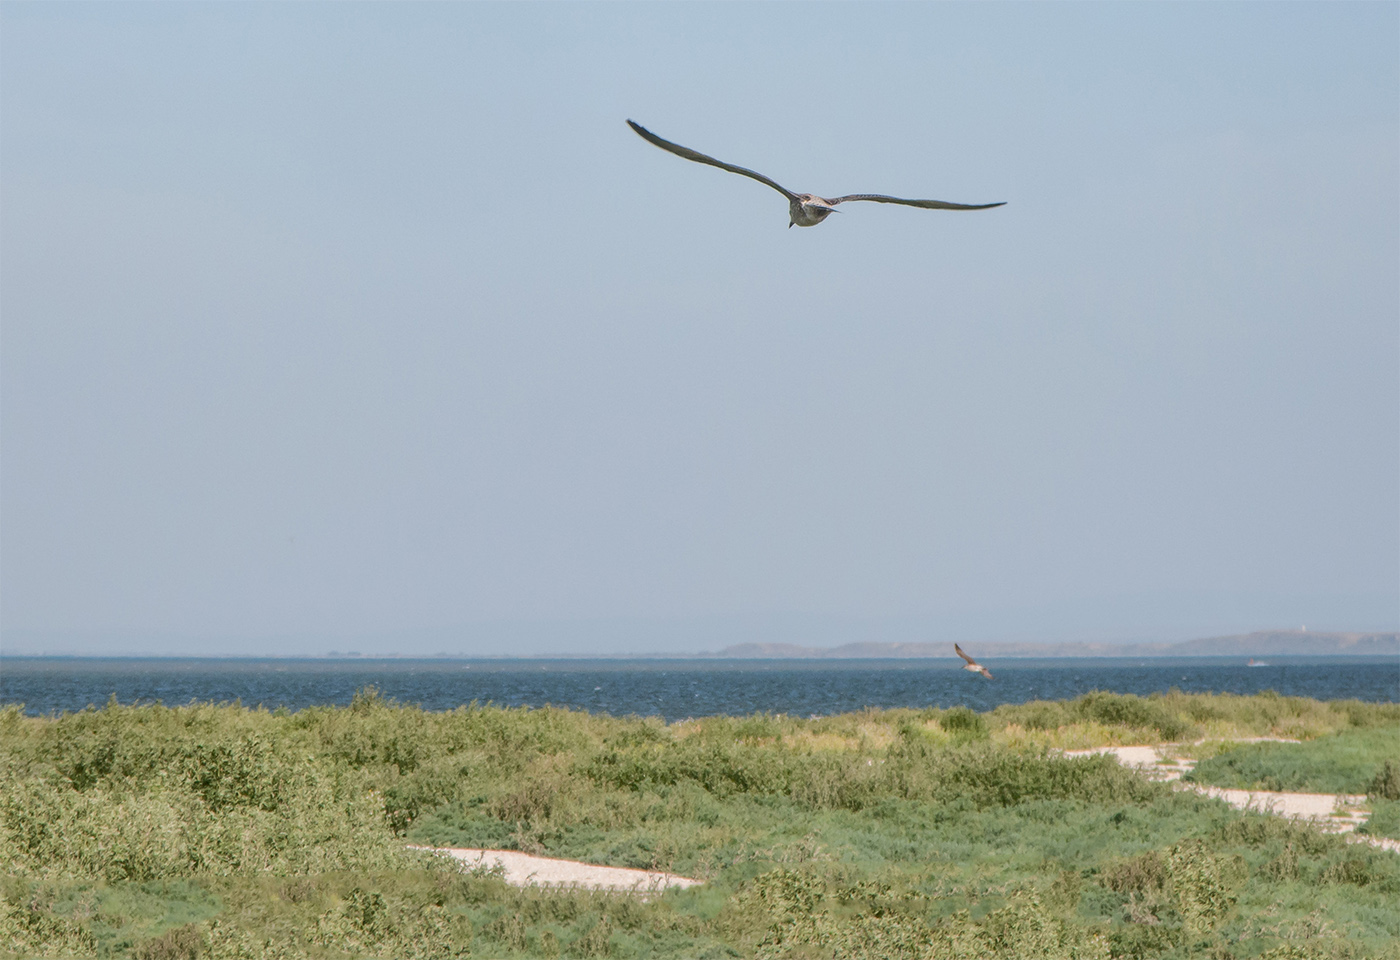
(965, 656)
(698, 157)
(926, 204)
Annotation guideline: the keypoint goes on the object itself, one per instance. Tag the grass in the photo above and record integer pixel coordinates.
(218, 831)
(1347, 762)
(1354, 761)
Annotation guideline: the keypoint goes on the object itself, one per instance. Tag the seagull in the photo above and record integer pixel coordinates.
(804, 209)
(972, 664)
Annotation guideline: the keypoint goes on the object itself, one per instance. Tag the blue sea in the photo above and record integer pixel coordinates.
(672, 689)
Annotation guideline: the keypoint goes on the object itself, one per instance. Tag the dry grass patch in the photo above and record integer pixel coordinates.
(865, 738)
(1077, 736)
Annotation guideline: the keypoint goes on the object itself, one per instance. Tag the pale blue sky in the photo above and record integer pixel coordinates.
(329, 326)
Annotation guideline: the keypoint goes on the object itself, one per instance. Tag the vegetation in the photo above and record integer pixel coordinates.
(218, 831)
(1353, 762)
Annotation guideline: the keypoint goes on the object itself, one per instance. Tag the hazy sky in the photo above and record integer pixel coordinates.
(331, 326)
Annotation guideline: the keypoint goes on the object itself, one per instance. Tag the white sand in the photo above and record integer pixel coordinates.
(524, 870)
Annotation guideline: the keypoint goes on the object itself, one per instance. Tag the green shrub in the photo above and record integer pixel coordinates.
(1258, 830)
(1137, 941)
(1385, 785)
(809, 916)
(1203, 885)
(1352, 870)
(1351, 762)
(1145, 875)
(179, 943)
(31, 931)
(1285, 866)
(987, 775)
(1128, 710)
(245, 773)
(1384, 820)
(1037, 714)
(1364, 866)
(962, 721)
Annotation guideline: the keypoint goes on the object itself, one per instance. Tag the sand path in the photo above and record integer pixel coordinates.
(1335, 813)
(524, 870)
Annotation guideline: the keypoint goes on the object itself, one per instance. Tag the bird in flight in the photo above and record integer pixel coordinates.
(804, 209)
(972, 664)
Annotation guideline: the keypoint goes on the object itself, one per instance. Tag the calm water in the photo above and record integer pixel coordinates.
(673, 689)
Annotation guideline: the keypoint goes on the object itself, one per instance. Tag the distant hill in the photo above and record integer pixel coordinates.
(1263, 643)
(1293, 643)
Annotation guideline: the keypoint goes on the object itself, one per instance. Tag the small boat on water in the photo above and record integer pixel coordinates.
(1256, 663)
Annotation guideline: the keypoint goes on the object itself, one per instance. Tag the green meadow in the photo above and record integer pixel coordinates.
(218, 831)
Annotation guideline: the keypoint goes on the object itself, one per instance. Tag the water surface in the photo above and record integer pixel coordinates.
(673, 689)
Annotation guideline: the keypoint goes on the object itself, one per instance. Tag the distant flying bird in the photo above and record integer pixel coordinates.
(804, 209)
(972, 664)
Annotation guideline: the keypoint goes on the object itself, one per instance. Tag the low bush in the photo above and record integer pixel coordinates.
(178, 943)
(1385, 785)
(1354, 761)
(963, 722)
(804, 915)
(1384, 820)
(1127, 710)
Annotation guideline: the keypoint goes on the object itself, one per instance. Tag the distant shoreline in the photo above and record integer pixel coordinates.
(1271, 643)
(694, 661)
